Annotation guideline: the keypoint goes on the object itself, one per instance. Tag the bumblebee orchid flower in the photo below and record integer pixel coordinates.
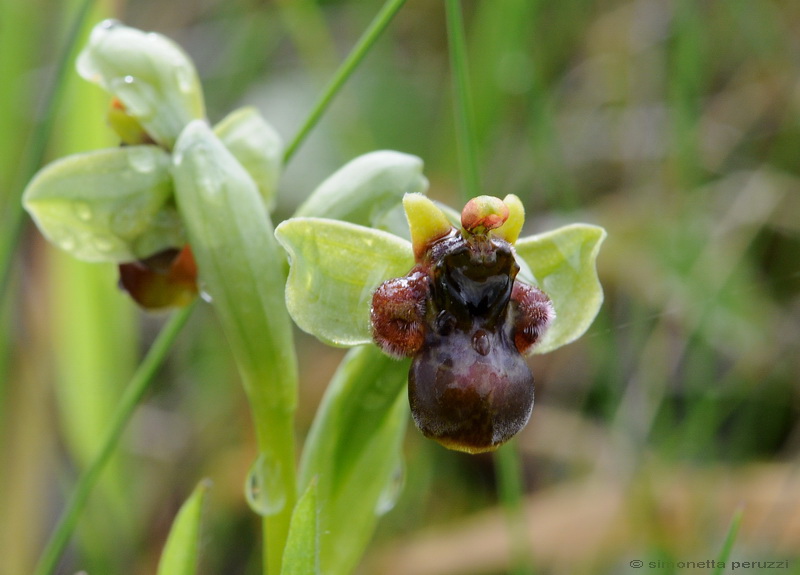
(465, 301)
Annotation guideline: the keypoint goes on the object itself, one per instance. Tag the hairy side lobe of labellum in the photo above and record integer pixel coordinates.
(466, 321)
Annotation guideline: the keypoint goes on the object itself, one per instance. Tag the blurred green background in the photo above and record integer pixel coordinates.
(675, 124)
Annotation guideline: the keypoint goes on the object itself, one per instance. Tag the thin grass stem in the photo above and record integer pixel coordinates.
(730, 539)
(12, 218)
(466, 138)
(137, 388)
(508, 467)
(357, 54)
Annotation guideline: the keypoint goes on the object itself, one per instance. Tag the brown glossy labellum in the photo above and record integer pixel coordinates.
(467, 322)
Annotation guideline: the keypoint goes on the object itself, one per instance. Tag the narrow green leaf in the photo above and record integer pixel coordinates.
(301, 556)
(730, 539)
(256, 145)
(150, 74)
(353, 453)
(335, 268)
(109, 205)
(366, 189)
(181, 550)
(563, 262)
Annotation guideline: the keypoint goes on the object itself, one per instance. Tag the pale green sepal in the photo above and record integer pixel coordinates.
(301, 555)
(256, 145)
(563, 262)
(108, 205)
(239, 263)
(151, 75)
(354, 453)
(181, 551)
(335, 267)
(366, 188)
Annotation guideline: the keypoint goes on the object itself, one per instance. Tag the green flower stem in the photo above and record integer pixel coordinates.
(465, 118)
(12, 217)
(357, 54)
(508, 467)
(139, 384)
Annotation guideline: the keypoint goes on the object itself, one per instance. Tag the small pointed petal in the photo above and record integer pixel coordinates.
(427, 222)
(512, 227)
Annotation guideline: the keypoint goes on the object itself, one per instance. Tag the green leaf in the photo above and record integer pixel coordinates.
(181, 550)
(109, 205)
(368, 191)
(256, 145)
(301, 556)
(353, 453)
(563, 262)
(335, 268)
(151, 75)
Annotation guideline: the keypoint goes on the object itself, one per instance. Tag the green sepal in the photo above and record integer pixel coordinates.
(151, 75)
(181, 551)
(354, 452)
(368, 191)
(256, 145)
(238, 260)
(108, 205)
(335, 267)
(563, 262)
(301, 555)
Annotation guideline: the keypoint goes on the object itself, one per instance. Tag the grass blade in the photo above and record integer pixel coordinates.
(730, 539)
(139, 384)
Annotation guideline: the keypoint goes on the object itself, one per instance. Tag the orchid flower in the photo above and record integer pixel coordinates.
(466, 302)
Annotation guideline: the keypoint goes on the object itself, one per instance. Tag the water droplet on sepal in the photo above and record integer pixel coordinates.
(264, 487)
(102, 244)
(141, 159)
(83, 211)
(392, 490)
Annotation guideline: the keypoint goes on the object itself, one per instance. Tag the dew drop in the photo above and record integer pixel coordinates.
(184, 76)
(83, 211)
(141, 159)
(109, 23)
(127, 222)
(102, 244)
(138, 97)
(66, 242)
(264, 487)
(205, 296)
(391, 492)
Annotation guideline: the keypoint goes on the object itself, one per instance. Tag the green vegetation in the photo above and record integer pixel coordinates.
(673, 125)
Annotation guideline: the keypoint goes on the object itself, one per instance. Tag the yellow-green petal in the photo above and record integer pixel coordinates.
(367, 190)
(108, 205)
(563, 262)
(426, 222)
(512, 227)
(335, 267)
(256, 145)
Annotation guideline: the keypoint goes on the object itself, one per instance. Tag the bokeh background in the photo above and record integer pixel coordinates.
(675, 124)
